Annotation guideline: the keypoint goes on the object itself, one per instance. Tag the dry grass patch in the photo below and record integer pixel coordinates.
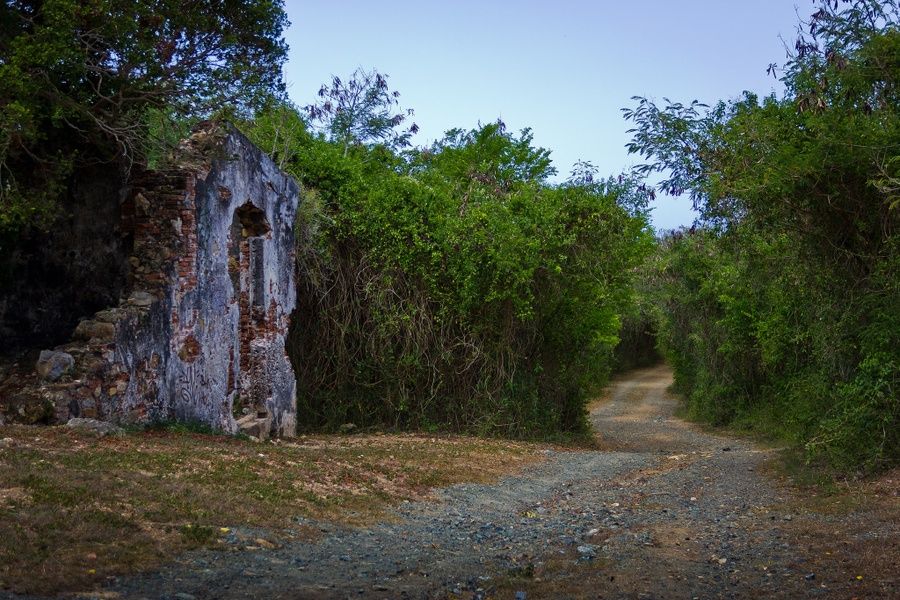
(75, 509)
(849, 529)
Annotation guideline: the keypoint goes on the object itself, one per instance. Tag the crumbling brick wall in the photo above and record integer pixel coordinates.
(200, 335)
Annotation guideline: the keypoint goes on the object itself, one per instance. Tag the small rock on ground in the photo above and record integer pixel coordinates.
(101, 428)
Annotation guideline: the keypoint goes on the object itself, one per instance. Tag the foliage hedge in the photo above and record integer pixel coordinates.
(453, 287)
(781, 312)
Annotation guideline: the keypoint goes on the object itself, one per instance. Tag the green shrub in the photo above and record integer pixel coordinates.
(781, 313)
(453, 287)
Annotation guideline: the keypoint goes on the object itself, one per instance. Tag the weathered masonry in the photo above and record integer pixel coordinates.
(200, 332)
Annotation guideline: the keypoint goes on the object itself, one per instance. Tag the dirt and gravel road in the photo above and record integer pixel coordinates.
(663, 510)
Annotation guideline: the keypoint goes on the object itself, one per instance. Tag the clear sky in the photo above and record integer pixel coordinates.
(565, 68)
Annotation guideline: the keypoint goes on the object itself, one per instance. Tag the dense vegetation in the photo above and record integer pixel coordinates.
(102, 82)
(781, 311)
(455, 287)
(452, 286)
(449, 287)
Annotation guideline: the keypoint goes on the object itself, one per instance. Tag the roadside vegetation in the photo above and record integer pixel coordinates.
(458, 287)
(450, 287)
(780, 310)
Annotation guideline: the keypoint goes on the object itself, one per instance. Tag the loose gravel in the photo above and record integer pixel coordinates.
(666, 511)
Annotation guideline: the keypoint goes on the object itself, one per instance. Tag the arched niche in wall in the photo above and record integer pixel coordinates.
(246, 258)
(246, 267)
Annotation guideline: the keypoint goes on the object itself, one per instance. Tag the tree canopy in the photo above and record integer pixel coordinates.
(361, 110)
(453, 286)
(84, 82)
(781, 311)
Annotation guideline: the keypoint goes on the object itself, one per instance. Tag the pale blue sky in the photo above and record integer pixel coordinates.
(563, 67)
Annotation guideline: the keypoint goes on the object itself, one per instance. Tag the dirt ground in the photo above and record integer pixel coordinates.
(661, 510)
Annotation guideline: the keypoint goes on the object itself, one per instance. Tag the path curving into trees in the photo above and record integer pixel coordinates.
(661, 510)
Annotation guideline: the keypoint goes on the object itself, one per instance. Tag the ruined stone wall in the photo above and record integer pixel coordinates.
(201, 334)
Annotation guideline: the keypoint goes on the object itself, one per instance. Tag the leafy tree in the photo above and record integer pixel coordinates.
(454, 287)
(281, 130)
(781, 312)
(362, 110)
(79, 81)
(488, 156)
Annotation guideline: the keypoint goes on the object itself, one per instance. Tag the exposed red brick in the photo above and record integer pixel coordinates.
(190, 349)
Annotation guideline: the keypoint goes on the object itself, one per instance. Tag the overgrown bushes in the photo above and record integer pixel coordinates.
(453, 287)
(782, 312)
(87, 83)
(90, 93)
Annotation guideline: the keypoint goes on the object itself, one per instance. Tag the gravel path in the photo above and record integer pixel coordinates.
(666, 512)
